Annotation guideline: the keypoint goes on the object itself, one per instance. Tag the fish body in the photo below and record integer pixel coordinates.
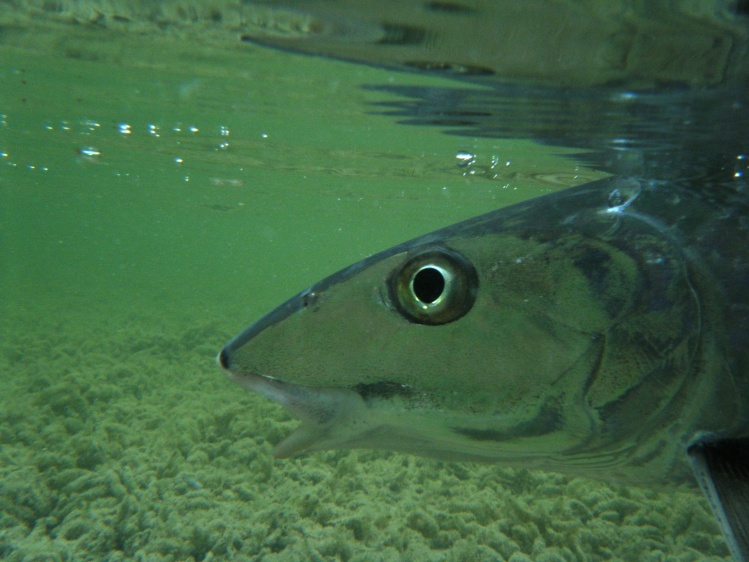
(599, 331)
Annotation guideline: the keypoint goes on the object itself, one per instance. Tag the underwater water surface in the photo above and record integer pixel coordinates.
(160, 188)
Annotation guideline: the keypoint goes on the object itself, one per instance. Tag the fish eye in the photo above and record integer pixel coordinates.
(436, 286)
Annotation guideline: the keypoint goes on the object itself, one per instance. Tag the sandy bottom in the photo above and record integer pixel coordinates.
(120, 439)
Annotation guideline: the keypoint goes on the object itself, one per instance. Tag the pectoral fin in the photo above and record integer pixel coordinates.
(722, 469)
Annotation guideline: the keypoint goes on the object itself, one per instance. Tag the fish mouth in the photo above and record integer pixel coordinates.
(269, 387)
(322, 411)
(307, 403)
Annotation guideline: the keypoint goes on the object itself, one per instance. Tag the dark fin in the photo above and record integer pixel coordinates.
(722, 469)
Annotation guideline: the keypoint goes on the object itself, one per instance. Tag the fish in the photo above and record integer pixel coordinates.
(597, 331)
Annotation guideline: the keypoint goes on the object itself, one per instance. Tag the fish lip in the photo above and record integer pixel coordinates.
(223, 359)
(240, 377)
(271, 388)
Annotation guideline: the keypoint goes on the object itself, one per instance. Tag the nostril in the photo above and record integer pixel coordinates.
(223, 359)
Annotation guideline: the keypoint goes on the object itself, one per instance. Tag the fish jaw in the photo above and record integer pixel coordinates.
(339, 418)
(331, 418)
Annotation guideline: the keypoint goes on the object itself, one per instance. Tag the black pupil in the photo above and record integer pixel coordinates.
(428, 285)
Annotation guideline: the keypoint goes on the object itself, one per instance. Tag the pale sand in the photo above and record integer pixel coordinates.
(120, 439)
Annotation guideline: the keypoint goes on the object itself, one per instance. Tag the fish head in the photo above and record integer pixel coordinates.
(490, 340)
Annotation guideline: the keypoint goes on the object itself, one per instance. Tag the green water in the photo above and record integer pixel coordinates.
(158, 192)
